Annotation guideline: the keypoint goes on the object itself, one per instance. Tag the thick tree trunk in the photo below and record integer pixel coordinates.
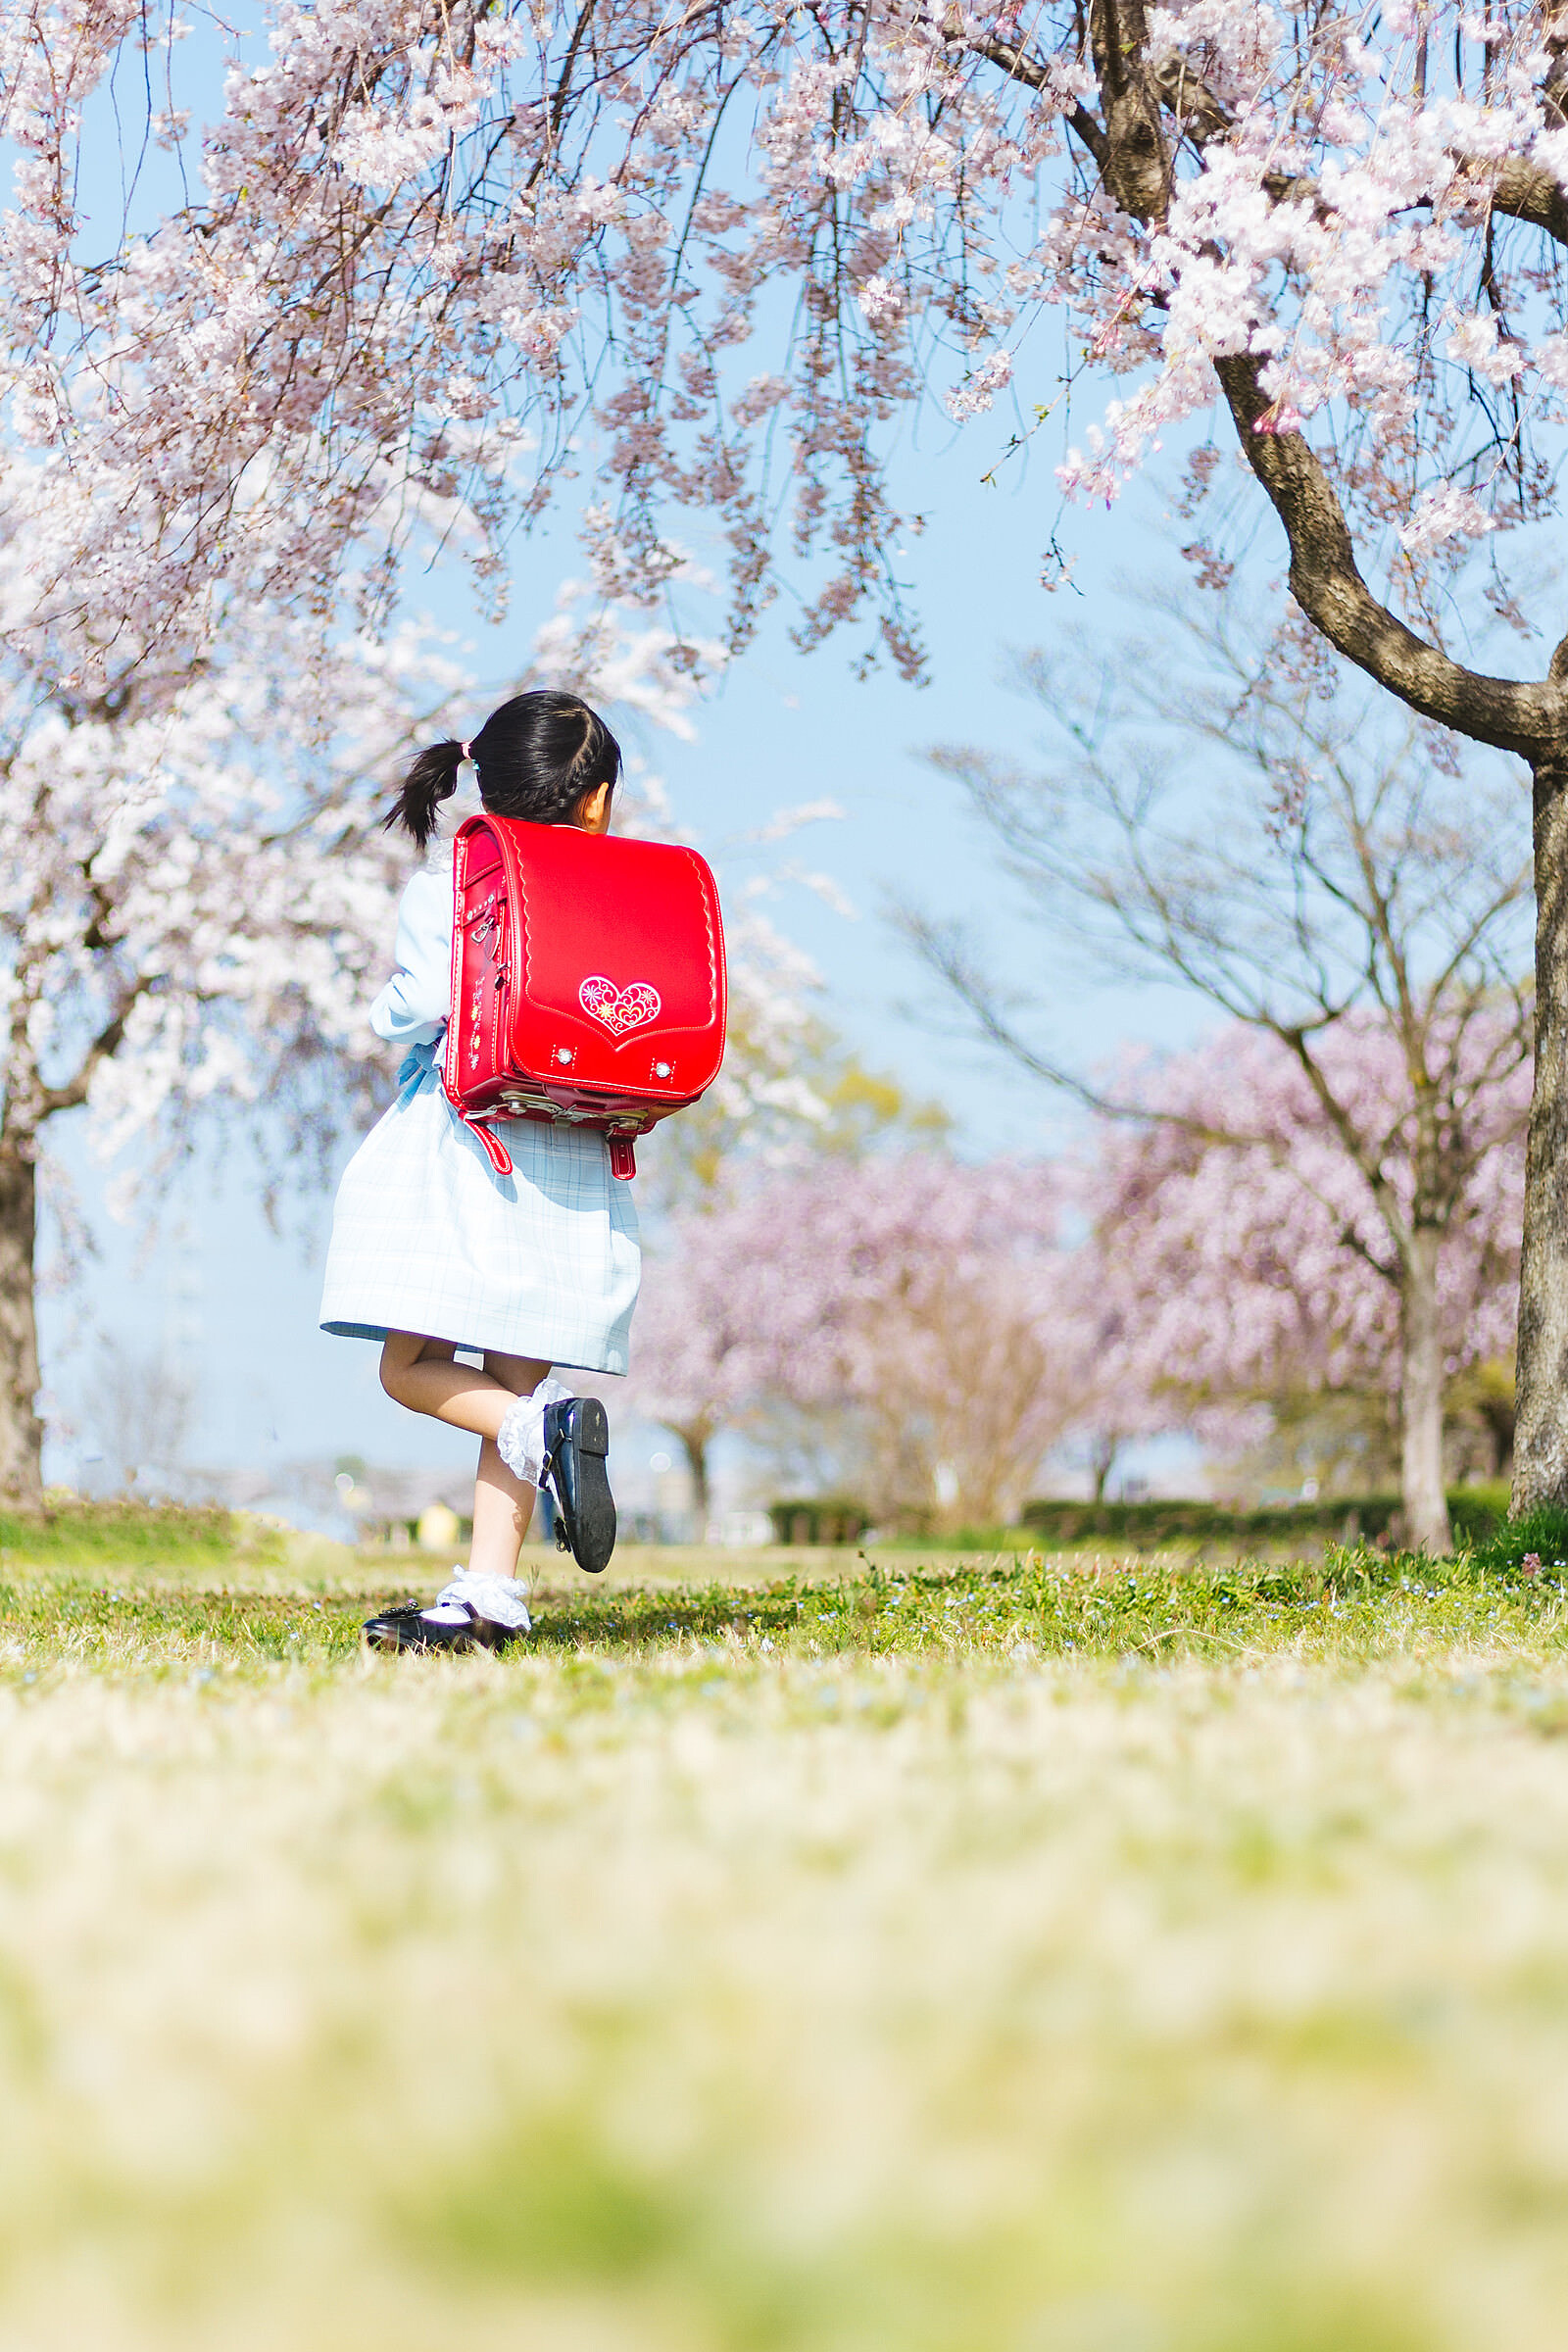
(1541, 1433)
(695, 1441)
(1426, 1505)
(21, 1430)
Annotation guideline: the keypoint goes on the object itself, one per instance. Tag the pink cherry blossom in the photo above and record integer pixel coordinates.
(433, 261)
(911, 1312)
(1241, 1253)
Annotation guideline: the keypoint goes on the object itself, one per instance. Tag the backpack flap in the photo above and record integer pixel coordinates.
(619, 963)
(588, 977)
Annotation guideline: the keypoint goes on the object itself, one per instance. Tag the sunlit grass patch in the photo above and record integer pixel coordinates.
(1354, 1606)
(1012, 1952)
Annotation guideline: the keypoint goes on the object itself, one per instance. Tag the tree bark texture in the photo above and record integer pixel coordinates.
(1426, 1504)
(695, 1439)
(1129, 144)
(21, 1430)
(1541, 1434)
(1513, 715)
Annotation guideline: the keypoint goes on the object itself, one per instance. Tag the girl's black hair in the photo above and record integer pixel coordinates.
(536, 757)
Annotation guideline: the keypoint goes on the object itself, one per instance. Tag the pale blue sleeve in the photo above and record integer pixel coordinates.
(412, 1009)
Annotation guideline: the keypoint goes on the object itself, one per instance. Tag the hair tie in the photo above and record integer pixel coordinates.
(467, 750)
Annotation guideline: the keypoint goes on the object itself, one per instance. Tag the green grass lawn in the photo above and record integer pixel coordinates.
(1002, 1954)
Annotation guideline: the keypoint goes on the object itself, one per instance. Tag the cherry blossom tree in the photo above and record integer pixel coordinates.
(425, 262)
(197, 906)
(916, 1307)
(790, 1102)
(1242, 1254)
(194, 917)
(1308, 865)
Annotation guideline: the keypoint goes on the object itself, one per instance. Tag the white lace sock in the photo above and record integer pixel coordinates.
(497, 1599)
(520, 1441)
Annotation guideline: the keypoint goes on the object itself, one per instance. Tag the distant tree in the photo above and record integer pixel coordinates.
(916, 1307)
(1245, 1256)
(140, 1409)
(1251, 832)
(1482, 1412)
(790, 1097)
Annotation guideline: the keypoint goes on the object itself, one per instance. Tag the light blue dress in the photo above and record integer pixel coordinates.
(427, 1238)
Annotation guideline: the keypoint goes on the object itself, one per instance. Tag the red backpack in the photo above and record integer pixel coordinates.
(587, 981)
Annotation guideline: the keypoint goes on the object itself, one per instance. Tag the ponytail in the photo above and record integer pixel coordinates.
(536, 757)
(433, 779)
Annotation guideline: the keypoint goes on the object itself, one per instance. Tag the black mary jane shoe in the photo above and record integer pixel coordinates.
(409, 1628)
(576, 1444)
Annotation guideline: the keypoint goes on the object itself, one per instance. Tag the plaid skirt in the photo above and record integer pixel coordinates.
(426, 1237)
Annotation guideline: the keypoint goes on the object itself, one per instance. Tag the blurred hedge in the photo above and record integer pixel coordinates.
(72, 1533)
(819, 1519)
(1475, 1512)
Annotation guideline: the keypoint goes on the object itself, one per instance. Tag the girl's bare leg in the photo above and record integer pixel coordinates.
(422, 1374)
(503, 1503)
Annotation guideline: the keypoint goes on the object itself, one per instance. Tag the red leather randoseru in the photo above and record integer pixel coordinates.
(587, 981)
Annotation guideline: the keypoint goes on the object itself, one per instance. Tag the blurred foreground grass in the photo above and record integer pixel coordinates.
(1006, 1955)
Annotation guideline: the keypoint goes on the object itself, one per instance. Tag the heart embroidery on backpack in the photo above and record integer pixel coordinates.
(619, 1008)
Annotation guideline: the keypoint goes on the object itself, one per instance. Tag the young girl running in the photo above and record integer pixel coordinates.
(433, 1251)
